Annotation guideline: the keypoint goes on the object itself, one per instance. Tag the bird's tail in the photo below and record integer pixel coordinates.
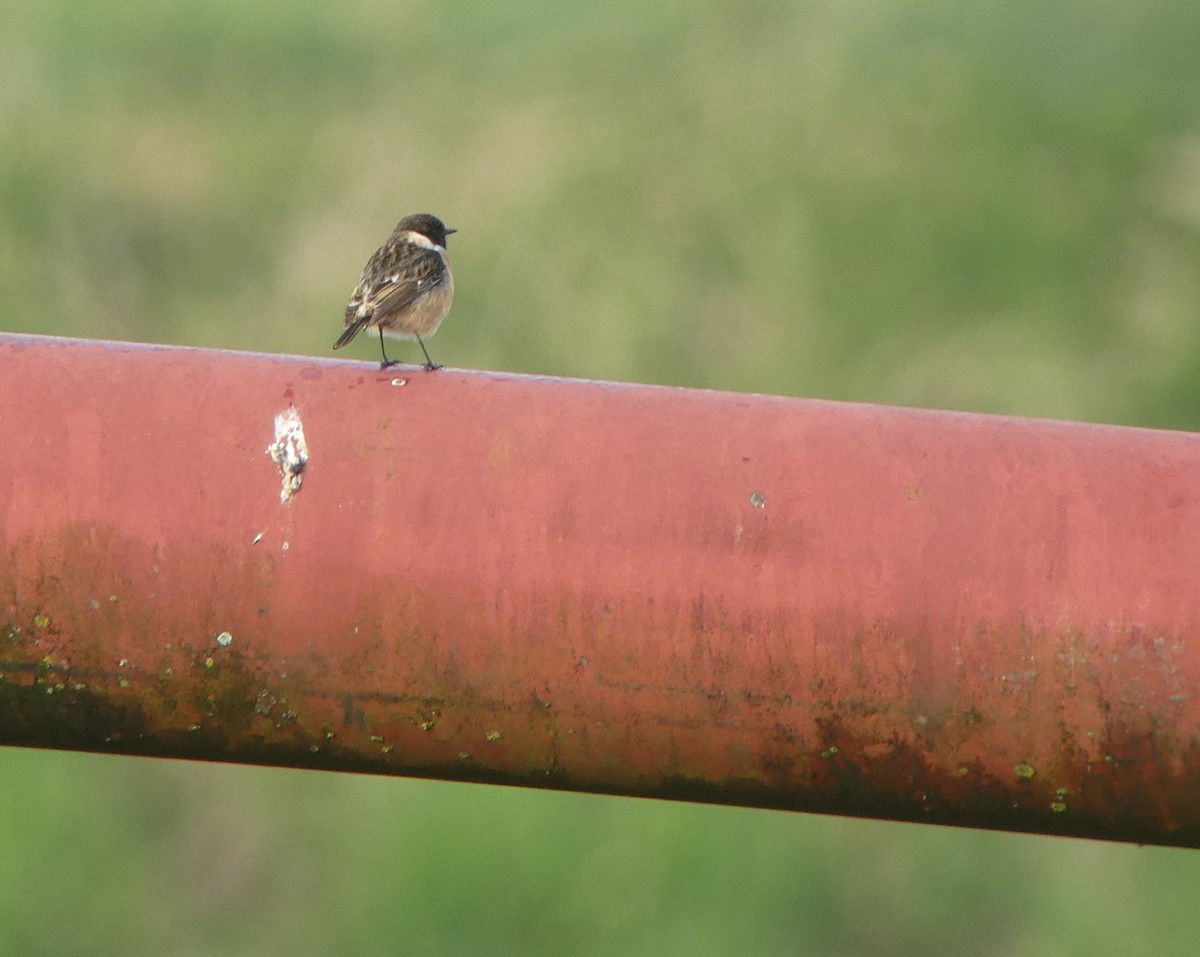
(352, 330)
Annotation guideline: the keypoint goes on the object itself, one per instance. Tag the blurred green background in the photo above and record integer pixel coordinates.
(989, 206)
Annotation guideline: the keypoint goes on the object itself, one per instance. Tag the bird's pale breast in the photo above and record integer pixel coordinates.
(423, 317)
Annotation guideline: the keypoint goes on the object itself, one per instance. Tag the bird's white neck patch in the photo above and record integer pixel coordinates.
(418, 239)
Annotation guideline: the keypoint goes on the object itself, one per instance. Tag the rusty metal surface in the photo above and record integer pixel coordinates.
(840, 608)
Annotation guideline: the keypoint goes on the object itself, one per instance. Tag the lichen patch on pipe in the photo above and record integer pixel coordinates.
(289, 451)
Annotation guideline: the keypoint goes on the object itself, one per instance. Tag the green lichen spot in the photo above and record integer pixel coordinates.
(429, 719)
(1057, 807)
(830, 751)
(41, 621)
(1025, 771)
(493, 735)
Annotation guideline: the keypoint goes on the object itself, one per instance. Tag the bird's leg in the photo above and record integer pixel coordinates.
(430, 365)
(386, 361)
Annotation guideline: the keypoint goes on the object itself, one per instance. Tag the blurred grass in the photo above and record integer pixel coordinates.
(991, 206)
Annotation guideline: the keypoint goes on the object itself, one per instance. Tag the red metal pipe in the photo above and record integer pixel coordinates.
(926, 616)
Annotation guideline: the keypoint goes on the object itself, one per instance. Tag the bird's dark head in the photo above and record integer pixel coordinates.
(428, 226)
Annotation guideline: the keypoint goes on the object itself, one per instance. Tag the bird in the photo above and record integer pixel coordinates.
(406, 287)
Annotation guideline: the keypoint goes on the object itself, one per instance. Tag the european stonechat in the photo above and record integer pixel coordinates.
(406, 287)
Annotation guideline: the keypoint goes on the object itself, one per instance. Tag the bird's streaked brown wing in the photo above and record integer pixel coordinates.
(405, 272)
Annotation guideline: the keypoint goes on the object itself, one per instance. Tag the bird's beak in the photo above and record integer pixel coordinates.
(449, 231)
